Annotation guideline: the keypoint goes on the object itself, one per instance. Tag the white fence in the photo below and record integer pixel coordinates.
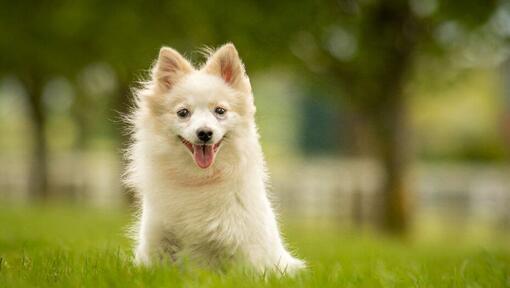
(348, 190)
(338, 189)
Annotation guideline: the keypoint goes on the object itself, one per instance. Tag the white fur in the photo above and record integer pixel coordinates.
(215, 216)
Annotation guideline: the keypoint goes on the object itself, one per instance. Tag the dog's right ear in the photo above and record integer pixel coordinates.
(169, 68)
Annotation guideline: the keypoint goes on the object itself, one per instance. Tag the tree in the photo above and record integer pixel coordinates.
(34, 47)
(388, 38)
(366, 50)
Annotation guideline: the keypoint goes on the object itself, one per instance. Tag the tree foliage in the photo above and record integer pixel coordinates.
(366, 50)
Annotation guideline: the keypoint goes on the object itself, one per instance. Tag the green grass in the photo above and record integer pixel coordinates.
(58, 246)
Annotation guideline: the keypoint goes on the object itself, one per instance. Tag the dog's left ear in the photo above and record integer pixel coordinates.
(225, 63)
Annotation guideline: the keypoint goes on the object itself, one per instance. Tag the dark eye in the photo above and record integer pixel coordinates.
(183, 113)
(220, 111)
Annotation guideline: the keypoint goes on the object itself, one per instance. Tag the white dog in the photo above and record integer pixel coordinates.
(198, 168)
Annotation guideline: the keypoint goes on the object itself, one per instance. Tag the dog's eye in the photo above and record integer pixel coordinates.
(183, 113)
(220, 111)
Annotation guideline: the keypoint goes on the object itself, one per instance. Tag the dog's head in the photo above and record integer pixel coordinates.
(198, 111)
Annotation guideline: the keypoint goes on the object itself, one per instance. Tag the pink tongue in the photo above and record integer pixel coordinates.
(204, 155)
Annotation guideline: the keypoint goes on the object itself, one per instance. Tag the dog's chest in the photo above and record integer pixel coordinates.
(207, 216)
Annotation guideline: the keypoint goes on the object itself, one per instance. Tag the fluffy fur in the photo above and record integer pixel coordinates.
(209, 207)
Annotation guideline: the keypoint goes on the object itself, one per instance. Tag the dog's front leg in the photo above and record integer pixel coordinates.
(271, 257)
(149, 239)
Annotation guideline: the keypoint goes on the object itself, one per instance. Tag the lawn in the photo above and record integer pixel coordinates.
(69, 246)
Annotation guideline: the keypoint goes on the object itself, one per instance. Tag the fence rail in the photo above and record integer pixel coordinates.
(344, 189)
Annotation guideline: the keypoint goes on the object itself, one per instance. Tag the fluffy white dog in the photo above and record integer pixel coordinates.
(197, 166)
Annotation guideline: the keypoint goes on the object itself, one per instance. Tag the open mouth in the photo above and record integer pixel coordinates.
(203, 154)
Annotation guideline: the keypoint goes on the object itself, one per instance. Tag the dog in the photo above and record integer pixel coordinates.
(197, 167)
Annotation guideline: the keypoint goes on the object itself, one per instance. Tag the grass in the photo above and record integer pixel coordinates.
(68, 246)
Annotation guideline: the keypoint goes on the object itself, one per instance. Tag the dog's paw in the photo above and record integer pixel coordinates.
(290, 266)
(142, 257)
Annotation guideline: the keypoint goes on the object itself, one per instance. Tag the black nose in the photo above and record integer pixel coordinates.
(204, 134)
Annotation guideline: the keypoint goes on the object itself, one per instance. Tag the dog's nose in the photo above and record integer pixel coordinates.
(204, 134)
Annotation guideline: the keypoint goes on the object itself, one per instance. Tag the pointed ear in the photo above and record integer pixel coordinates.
(170, 67)
(225, 63)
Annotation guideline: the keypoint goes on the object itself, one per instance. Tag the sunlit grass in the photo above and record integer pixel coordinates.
(69, 246)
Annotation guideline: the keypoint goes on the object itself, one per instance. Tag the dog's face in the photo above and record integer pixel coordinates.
(201, 110)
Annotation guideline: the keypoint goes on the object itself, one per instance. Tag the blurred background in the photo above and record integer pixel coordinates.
(385, 115)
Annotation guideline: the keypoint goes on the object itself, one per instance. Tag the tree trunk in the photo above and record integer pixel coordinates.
(395, 29)
(394, 155)
(38, 175)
